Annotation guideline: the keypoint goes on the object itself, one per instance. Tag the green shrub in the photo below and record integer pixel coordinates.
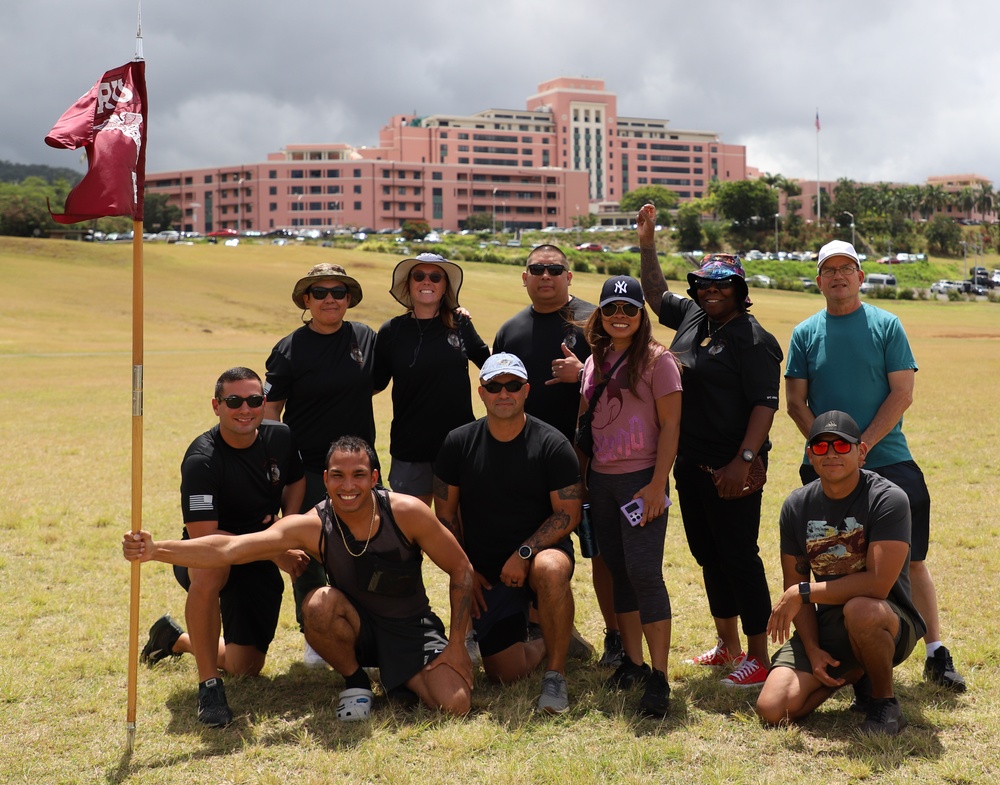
(581, 266)
(618, 267)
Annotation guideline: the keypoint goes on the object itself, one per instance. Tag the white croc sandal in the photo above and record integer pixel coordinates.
(355, 704)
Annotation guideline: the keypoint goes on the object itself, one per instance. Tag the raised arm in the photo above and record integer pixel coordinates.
(654, 284)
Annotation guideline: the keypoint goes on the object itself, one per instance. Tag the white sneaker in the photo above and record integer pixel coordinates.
(312, 659)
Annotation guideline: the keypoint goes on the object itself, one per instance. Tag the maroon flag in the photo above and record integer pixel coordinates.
(110, 121)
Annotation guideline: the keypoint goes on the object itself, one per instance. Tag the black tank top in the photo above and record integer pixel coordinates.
(385, 581)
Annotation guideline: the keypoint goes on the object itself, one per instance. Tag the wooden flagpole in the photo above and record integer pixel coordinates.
(137, 361)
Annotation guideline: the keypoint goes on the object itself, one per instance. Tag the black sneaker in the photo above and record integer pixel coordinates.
(656, 699)
(941, 670)
(884, 716)
(613, 651)
(627, 675)
(862, 695)
(212, 707)
(162, 637)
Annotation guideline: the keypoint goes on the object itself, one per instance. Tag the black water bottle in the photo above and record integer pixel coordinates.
(585, 531)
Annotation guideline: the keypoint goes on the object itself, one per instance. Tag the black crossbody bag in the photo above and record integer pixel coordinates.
(584, 433)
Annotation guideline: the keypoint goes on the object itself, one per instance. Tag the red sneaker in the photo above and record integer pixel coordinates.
(751, 673)
(717, 657)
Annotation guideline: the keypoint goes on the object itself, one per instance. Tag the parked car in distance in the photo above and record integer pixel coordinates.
(877, 279)
(807, 283)
(944, 286)
(759, 280)
(590, 247)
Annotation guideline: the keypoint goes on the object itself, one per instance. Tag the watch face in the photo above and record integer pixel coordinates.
(748, 455)
(524, 552)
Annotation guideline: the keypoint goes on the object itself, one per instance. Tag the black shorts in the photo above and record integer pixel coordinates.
(250, 602)
(505, 620)
(834, 640)
(906, 475)
(399, 648)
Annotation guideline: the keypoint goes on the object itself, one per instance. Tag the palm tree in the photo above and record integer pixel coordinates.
(985, 199)
(934, 199)
(966, 201)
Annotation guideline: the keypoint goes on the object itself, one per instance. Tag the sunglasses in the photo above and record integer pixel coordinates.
(709, 283)
(552, 269)
(629, 309)
(321, 292)
(236, 401)
(822, 447)
(419, 275)
(513, 386)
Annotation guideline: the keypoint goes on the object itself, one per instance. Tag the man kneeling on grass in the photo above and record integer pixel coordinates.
(375, 612)
(851, 528)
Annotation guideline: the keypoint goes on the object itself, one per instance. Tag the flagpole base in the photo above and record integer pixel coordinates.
(129, 737)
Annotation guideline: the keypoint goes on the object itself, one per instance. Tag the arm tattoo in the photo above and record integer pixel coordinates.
(802, 566)
(553, 529)
(654, 284)
(440, 488)
(574, 491)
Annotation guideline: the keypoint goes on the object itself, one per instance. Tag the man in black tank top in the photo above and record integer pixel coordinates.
(375, 612)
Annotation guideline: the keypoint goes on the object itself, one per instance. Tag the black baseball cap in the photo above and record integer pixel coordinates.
(839, 424)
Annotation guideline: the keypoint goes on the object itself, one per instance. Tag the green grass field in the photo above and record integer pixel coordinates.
(65, 417)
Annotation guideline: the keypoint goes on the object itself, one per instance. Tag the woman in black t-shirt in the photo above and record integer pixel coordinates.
(426, 353)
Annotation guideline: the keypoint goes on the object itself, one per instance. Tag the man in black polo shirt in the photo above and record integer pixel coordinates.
(235, 479)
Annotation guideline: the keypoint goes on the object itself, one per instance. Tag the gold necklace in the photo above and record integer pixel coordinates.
(711, 333)
(371, 528)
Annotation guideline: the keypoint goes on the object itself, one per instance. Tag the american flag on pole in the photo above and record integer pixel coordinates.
(817, 121)
(110, 121)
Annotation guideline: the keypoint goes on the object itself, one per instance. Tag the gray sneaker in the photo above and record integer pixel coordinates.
(554, 698)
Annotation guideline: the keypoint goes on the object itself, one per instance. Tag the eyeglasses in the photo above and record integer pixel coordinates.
(321, 292)
(552, 269)
(821, 447)
(629, 309)
(236, 401)
(847, 269)
(419, 275)
(513, 386)
(708, 283)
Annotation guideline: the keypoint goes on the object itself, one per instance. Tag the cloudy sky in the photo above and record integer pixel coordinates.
(904, 89)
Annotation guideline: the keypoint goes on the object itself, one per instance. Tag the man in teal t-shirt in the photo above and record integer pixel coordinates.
(856, 358)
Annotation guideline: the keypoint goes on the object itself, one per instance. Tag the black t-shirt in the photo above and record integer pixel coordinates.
(537, 339)
(431, 392)
(238, 488)
(504, 486)
(723, 381)
(326, 384)
(835, 534)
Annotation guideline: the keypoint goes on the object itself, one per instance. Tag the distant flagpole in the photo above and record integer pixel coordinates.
(819, 200)
(137, 363)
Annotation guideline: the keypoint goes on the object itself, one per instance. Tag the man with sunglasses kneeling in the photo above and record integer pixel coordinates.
(508, 486)
(235, 478)
(851, 529)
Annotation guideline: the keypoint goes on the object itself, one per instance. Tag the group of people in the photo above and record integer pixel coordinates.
(586, 417)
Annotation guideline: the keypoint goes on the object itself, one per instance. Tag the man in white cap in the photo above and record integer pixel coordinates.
(850, 532)
(856, 358)
(508, 486)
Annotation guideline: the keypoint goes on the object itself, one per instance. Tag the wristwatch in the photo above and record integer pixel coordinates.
(804, 592)
(747, 455)
(525, 552)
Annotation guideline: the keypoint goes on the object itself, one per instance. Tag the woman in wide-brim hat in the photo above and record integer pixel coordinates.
(320, 381)
(426, 353)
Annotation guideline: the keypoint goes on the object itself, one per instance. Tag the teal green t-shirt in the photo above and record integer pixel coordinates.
(847, 361)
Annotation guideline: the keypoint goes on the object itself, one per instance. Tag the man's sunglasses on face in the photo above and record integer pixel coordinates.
(513, 386)
(822, 447)
(236, 401)
(552, 269)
